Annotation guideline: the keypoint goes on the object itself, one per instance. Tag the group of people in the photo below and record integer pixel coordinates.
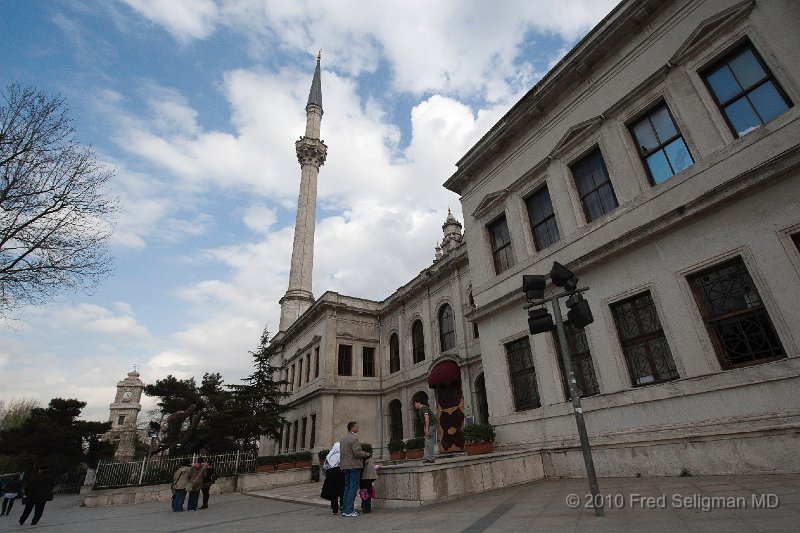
(35, 490)
(192, 478)
(349, 470)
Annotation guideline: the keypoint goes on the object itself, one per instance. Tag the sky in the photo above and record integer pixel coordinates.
(196, 105)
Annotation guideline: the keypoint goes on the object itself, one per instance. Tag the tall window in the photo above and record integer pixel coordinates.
(345, 366)
(394, 353)
(419, 425)
(417, 341)
(543, 219)
(594, 186)
(483, 402)
(316, 362)
(585, 378)
(735, 316)
(308, 367)
(475, 332)
(368, 361)
(660, 144)
(291, 379)
(523, 375)
(295, 435)
(121, 420)
(300, 372)
(287, 431)
(643, 342)
(396, 420)
(501, 244)
(303, 434)
(313, 440)
(745, 90)
(447, 328)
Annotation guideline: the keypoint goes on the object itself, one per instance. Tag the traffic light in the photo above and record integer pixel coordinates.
(533, 286)
(561, 276)
(579, 314)
(540, 321)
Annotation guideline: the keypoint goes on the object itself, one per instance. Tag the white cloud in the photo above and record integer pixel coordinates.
(184, 19)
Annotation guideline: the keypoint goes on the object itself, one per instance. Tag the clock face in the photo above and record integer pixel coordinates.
(126, 396)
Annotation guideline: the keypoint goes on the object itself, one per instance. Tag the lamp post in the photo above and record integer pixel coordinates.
(539, 321)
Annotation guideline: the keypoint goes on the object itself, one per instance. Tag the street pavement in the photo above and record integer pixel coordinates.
(653, 505)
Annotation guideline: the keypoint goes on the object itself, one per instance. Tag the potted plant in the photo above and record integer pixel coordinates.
(266, 463)
(479, 438)
(396, 450)
(415, 448)
(302, 459)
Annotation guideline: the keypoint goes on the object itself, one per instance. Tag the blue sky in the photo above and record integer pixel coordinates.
(196, 104)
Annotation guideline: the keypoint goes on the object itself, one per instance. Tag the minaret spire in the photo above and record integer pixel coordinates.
(311, 153)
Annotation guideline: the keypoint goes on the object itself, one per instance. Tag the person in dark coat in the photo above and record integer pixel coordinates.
(209, 478)
(333, 488)
(38, 491)
(11, 491)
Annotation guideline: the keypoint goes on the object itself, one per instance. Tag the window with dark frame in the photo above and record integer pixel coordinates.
(501, 245)
(296, 432)
(796, 240)
(313, 440)
(745, 90)
(291, 380)
(644, 344)
(582, 366)
(303, 434)
(419, 424)
(447, 329)
(522, 375)
(396, 420)
(121, 420)
(417, 341)
(660, 144)
(737, 321)
(345, 360)
(394, 353)
(594, 186)
(543, 219)
(308, 367)
(300, 372)
(316, 362)
(475, 332)
(368, 361)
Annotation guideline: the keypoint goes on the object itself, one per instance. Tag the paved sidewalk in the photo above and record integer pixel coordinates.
(675, 505)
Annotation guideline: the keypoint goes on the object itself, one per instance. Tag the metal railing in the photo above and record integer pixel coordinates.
(157, 470)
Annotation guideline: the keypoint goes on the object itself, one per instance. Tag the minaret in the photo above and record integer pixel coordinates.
(311, 152)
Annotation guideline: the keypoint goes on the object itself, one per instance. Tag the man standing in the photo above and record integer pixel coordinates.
(351, 462)
(38, 491)
(431, 422)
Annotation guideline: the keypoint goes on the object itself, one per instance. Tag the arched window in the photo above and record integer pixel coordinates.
(396, 420)
(417, 341)
(447, 328)
(394, 353)
(419, 425)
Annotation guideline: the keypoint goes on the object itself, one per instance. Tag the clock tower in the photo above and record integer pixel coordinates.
(124, 411)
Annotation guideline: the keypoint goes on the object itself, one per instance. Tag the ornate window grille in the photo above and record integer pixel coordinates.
(735, 316)
(522, 374)
(644, 345)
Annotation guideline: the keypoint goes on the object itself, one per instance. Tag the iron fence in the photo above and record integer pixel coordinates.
(157, 470)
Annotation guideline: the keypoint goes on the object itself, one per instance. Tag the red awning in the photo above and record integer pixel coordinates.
(444, 373)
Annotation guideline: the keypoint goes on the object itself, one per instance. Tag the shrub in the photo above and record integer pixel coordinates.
(415, 444)
(265, 460)
(479, 433)
(396, 446)
(366, 447)
(302, 456)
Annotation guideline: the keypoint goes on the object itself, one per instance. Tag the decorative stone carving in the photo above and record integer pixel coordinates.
(311, 151)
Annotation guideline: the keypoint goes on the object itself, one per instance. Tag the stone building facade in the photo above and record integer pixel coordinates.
(659, 161)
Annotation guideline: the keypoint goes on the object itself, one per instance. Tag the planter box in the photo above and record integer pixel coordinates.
(302, 464)
(285, 466)
(414, 454)
(266, 468)
(478, 448)
(397, 456)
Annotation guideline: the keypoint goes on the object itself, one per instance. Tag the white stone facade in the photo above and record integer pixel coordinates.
(735, 204)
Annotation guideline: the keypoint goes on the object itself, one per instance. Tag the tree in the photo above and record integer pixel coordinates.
(256, 406)
(53, 437)
(54, 211)
(15, 412)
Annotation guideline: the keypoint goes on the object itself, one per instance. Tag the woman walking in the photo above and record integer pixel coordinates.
(333, 487)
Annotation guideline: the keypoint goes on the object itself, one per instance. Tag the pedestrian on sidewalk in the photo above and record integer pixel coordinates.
(367, 486)
(180, 481)
(431, 423)
(333, 487)
(38, 488)
(209, 478)
(351, 461)
(11, 491)
(195, 484)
